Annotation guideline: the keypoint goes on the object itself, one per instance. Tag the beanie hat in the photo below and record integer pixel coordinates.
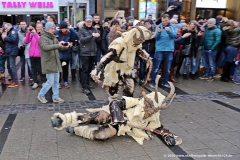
(173, 20)
(184, 24)
(149, 21)
(135, 22)
(63, 25)
(212, 20)
(114, 22)
(182, 21)
(129, 18)
(49, 25)
(88, 18)
(178, 25)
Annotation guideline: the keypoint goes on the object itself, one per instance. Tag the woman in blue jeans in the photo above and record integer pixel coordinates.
(193, 40)
(232, 31)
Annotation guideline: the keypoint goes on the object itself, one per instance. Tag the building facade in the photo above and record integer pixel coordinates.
(28, 10)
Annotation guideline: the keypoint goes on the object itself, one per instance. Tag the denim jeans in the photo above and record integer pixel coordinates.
(142, 71)
(231, 53)
(22, 62)
(193, 65)
(74, 60)
(12, 69)
(166, 57)
(210, 62)
(29, 67)
(52, 81)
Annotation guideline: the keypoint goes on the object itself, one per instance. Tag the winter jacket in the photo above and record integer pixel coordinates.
(165, 39)
(233, 36)
(21, 36)
(88, 43)
(193, 39)
(11, 43)
(149, 45)
(104, 40)
(212, 38)
(2, 46)
(34, 50)
(64, 55)
(49, 47)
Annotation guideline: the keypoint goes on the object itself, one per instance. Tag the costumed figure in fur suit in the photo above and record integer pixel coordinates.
(136, 117)
(118, 63)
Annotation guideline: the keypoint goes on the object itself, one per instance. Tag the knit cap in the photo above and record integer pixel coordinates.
(173, 20)
(49, 25)
(212, 20)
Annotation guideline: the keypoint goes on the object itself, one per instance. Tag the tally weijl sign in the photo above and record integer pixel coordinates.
(23, 4)
(28, 6)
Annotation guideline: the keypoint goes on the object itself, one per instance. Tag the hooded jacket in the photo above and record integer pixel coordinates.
(34, 50)
(11, 43)
(233, 36)
(88, 43)
(212, 38)
(165, 39)
(49, 47)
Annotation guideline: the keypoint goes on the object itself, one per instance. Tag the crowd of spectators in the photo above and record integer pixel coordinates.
(204, 48)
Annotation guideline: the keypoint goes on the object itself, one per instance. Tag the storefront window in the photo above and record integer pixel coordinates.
(80, 12)
(63, 12)
(112, 6)
(150, 9)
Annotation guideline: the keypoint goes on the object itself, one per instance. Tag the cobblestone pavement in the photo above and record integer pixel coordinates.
(205, 115)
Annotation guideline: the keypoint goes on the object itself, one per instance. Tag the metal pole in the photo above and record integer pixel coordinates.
(74, 14)
(132, 8)
(146, 9)
(103, 9)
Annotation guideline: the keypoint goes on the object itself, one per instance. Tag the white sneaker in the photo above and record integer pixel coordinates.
(42, 99)
(237, 83)
(58, 100)
(35, 85)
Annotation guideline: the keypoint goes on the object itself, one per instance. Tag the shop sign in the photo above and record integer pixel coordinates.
(211, 4)
(29, 6)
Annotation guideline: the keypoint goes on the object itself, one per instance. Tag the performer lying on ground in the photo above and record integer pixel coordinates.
(136, 117)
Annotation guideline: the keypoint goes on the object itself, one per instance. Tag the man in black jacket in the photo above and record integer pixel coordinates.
(89, 37)
(174, 7)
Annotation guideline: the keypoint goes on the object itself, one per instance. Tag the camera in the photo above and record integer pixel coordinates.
(30, 29)
(4, 30)
(175, 7)
(65, 44)
(163, 27)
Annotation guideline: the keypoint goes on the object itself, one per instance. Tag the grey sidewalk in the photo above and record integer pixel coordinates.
(205, 115)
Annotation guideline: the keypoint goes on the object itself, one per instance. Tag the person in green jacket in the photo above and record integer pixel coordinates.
(211, 43)
(50, 62)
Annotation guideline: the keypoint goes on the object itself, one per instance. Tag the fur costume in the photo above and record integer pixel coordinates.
(135, 117)
(118, 63)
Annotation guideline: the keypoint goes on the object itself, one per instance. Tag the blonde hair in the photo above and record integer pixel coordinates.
(195, 24)
(224, 19)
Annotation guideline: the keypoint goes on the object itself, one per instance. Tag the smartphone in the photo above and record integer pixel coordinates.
(65, 44)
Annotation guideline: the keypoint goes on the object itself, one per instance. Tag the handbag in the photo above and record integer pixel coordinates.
(186, 50)
(21, 51)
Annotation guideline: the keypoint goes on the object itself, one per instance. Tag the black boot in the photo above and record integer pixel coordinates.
(70, 130)
(56, 122)
(226, 72)
(185, 76)
(192, 76)
(73, 72)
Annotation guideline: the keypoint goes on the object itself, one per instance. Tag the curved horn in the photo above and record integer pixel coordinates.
(154, 33)
(156, 88)
(172, 91)
(168, 105)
